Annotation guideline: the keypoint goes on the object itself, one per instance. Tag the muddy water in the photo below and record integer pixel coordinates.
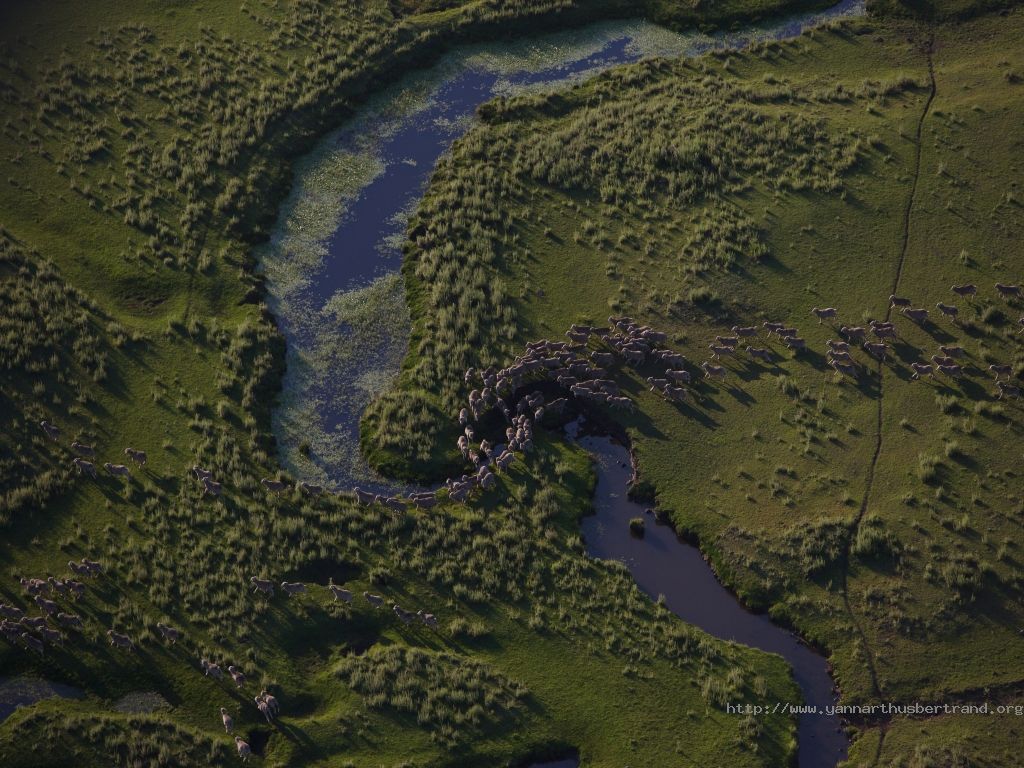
(665, 565)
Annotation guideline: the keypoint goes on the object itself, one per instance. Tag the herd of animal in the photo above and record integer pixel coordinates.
(36, 632)
(582, 372)
(578, 369)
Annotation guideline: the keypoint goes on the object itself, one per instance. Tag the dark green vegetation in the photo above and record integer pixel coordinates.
(144, 148)
(882, 518)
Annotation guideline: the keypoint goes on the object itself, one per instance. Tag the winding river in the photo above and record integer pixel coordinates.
(332, 263)
(332, 268)
(665, 565)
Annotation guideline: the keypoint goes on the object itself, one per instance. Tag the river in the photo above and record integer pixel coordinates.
(332, 263)
(665, 565)
(332, 268)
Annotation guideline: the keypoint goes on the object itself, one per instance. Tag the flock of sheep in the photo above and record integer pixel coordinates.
(35, 632)
(579, 370)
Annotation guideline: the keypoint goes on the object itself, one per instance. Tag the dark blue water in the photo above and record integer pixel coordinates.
(665, 565)
(360, 249)
(365, 248)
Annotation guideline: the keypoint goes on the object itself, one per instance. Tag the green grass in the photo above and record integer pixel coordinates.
(789, 193)
(145, 149)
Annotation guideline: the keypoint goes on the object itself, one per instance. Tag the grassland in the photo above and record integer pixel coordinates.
(145, 148)
(882, 519)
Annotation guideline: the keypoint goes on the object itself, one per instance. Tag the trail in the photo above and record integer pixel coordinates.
(880, 368)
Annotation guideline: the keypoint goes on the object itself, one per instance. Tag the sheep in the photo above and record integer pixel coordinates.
(243, 749)
(728, 341)
(95, 569)
(920, 369)
(953, 371)
(404, 616)
(84, 467)
(794, 342)
(948, 310)
(605, 359)
(83, 449)
(211, 487)
(376, 601)
(117, 470)
(11, 611)
(843, 357)
(963, 291)
(273, 486)
(227, 720)
(77, 589)
(48, 606)
(237, 675)
(34, 586)
(137, 457)
(261, 705)
(744, 332)
(33, 643)
(1001, 370)
(786, 333)
(760, 353)
(918, 315)
(270, 701)
(953, 351)
(211, 670)
(292, 588)
(681, 376)
(363, 497)
(70, 620)
(772, 327)
(853, 333)
(488, 481)
(121, 641)
(713, 371)
(33, 622)
(464, 417)
(428, 619)
(52, 430)
(266, 586)
(879, 349)
(1008, 291)
(886, 331)
(170, 634)
(717, 351)
(1006, 388)
(898, 301)
(339, 593)
(826, 313)
(674, 394)
(837, 346)
(52, 636)
(504, 461)
(310, 489)
(200, 473)
(937, 360)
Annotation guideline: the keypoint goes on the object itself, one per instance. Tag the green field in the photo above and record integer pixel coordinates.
(145, 149)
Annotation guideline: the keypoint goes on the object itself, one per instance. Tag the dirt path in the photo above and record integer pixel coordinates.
(880, 370)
